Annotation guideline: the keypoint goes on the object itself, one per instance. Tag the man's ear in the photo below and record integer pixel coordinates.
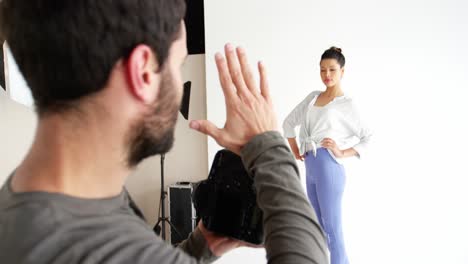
(143, 74)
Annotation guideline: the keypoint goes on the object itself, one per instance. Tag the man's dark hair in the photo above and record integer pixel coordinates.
(66, 49)
(334, 53)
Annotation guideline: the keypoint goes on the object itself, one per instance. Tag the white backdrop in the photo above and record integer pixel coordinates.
(407, 67)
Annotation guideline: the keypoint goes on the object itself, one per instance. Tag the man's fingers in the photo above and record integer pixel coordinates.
(264, 82)
(235, 70)
(205, 127)
(225, 77)
(247, 71)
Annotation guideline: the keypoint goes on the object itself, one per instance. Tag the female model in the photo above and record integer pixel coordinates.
(330, 129)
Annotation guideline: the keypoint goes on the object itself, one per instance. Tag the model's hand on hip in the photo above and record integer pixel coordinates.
(299, 156)
(330, 144)
(249, 107)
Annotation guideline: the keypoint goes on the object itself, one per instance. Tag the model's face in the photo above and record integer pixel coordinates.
(331, 72)
(154, 133)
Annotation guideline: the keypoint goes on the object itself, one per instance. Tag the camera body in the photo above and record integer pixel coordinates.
(226, 202)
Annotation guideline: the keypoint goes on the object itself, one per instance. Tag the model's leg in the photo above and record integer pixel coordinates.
(312, 187)
(330, 187)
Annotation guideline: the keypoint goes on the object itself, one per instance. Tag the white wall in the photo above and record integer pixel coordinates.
(17, 126)
(407, 65)
(187, 161)
(17, 120)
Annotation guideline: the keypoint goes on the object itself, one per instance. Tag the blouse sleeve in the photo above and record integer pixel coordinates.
(296, 116)
(362, 132)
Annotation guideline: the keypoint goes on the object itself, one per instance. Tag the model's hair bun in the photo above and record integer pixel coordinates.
(334, 53)
(335, 49)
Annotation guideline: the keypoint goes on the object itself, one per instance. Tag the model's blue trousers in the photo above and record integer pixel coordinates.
(325, 179)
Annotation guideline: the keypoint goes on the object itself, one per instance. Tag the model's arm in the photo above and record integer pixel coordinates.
(296, 116)
(364, 135)
(293, 120)
(350, 152)
(295, 149)
(330, 144)
(362, 131)
(359, 130)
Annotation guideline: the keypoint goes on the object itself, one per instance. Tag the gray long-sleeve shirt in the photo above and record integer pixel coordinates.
(40, 227)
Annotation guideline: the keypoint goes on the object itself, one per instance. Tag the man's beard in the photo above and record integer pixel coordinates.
(154, 133)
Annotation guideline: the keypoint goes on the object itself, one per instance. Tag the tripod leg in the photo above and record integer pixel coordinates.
(174, 228)
(157, 228)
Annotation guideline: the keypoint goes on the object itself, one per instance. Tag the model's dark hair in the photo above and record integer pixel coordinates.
(66, 49)
(334, 53)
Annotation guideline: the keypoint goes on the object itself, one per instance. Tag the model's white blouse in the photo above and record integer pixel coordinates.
(338, 120)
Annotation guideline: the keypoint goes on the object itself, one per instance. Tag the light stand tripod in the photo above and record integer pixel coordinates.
(162, 219)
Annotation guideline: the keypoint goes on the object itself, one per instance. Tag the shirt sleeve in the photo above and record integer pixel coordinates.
(362, 132)
(296, 116)
(292, 232)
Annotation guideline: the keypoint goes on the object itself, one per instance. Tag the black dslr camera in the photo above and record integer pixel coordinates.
(226, 201)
